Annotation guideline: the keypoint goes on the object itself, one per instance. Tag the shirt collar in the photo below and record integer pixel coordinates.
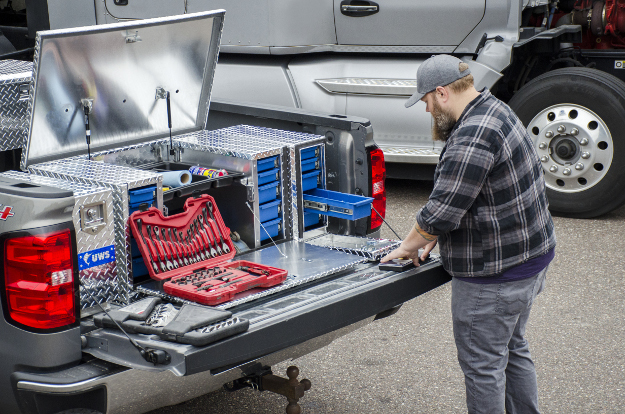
(481, 98)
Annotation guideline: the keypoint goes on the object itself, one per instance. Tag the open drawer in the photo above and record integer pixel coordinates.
(335, 204)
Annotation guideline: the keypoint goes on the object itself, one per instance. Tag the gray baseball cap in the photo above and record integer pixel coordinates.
(439, 70)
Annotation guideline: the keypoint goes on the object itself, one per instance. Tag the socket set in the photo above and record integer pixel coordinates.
(190, 252)
(219, 284)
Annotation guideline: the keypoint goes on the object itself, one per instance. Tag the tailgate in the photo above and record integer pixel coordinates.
(282, 320)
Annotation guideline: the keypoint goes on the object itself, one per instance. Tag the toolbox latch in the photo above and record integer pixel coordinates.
(93, 217)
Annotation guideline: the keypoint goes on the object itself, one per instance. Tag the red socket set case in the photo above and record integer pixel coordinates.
(190, 252)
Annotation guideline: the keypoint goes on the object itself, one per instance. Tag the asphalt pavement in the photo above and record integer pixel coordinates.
(407, 363)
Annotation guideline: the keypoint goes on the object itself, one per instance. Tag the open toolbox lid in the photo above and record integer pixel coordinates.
(123, 72)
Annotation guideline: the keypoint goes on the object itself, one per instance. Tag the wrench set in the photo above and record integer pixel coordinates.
(190, 252)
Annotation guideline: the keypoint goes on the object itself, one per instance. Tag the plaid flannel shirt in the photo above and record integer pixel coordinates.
(488, 206)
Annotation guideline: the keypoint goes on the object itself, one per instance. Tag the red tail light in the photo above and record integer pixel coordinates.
(39, 280)
(377, 190)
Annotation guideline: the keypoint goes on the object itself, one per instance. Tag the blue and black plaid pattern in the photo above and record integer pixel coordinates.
(488, 206)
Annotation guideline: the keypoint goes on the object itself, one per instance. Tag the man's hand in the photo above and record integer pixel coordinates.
(401, 253)
(409, 248)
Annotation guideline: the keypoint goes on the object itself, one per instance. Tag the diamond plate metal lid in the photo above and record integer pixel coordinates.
(122, 73)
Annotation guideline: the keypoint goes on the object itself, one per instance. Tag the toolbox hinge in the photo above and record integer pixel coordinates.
(313, 205)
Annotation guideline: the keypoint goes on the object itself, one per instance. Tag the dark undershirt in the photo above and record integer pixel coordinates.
(528, 269)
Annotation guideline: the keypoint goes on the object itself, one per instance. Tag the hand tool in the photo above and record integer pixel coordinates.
(200, 288)
(224, 246)
(159, 253)
(207, 239)
(176, 245)
(202, 239)
(197, 241)
(169, 249)
(168, 264)
(254, 270)
(178, 236)
(194, 248)
(149, 247)
(168, 252)
(212, 238)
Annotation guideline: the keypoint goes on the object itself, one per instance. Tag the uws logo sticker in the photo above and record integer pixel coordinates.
(96, 257)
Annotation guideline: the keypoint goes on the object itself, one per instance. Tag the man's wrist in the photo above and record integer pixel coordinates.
(427, 236)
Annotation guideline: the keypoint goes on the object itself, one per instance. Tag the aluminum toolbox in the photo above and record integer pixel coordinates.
(15, 78)
(95, 239)
(113, 82)
(305, 162)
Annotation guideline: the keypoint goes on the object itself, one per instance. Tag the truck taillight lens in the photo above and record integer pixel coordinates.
(377, 190)
(39, 280)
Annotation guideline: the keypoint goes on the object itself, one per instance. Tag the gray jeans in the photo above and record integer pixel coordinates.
(489, 329)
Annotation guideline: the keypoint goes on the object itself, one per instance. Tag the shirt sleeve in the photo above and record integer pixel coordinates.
(462, 172)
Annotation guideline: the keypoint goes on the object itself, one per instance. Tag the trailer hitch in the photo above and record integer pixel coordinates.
(264, 380)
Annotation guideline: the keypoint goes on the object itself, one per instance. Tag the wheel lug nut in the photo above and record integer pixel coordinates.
(566, 171)
(583, 141)
(561, 129)
(579, 166)
(553, 168)
(542, 145)
(585, 155)
(544, 158)
(574, 131)
(549, 134)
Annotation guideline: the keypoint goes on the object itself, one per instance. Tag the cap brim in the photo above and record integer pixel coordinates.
(414, 99)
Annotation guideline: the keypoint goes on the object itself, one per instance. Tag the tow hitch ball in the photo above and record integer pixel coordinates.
(291, 388)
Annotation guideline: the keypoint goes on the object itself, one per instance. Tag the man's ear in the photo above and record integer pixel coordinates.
(442, 95)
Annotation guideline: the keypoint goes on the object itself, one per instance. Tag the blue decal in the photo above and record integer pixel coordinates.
(96, 257)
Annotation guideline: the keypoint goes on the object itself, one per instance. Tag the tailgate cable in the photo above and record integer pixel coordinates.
(389, 226)
(154, 356)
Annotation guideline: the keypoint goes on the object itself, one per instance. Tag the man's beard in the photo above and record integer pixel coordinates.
(444, 122)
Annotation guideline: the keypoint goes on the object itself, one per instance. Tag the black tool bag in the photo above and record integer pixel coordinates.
(189, 324)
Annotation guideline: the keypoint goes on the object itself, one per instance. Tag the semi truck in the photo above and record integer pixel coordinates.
(558, 64)
(274, 257)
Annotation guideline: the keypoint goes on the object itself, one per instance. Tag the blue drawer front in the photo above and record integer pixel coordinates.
(311, 219)
(268, 192)
(141, 195)
(335, 204)
(270, 229)
(310, 153)
(310, 180)
(267, 163)
(135, 206)
(138, 267)
(269, 211)
(269, 176)
(310, 164)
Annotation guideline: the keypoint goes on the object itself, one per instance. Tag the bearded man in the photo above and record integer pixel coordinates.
(488, 211)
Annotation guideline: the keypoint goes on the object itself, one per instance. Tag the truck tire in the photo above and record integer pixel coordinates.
(576, 118)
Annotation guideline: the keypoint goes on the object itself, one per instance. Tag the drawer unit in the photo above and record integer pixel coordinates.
(271, 229)
(310, 164)
(270, 210)
(334, 204)
(269, 176)
(262, 187)
(306, 167)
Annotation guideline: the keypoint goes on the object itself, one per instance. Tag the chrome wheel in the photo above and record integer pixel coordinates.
(574, 145)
